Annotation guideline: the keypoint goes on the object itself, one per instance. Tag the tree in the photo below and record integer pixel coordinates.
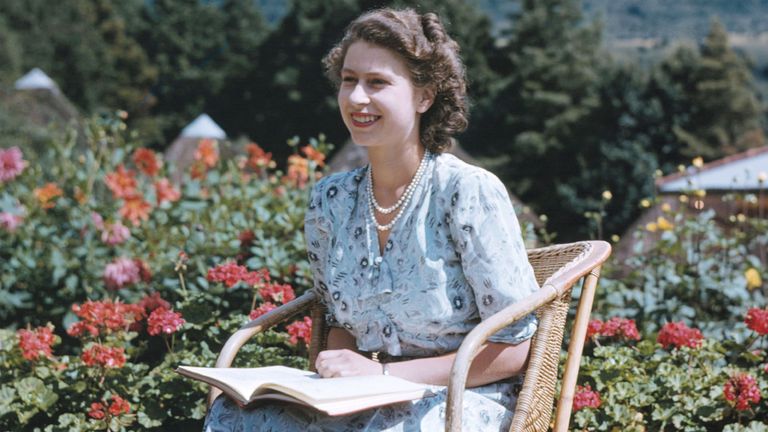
(709, 102)
(83, 46)
(10, 54)
(541, 120)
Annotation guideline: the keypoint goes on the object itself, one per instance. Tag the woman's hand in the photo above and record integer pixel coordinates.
(343, 363)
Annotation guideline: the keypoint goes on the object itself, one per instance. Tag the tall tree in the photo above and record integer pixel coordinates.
(10, 53)
(710, 105)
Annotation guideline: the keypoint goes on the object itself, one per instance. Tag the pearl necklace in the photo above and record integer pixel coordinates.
(401, 203)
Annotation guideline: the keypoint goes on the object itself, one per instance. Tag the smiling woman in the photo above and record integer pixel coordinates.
(410, 252)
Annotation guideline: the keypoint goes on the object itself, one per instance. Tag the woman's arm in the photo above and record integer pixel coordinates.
(494, 361)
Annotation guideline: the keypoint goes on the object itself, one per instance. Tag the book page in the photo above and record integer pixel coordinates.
(244, 382)
(316, 390)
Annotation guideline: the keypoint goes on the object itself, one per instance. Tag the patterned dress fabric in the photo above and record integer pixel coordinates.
(454, 258)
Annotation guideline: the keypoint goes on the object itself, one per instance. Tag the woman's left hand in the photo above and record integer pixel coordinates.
(343, 363)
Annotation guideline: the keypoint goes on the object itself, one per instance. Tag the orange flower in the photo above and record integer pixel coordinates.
(165, 191)
(314, 154)
(80, 196)
(298, 170)
(208, 152)
(135, 209)
(257, 157)
(47, 193)
(146, 161)
(122, 182)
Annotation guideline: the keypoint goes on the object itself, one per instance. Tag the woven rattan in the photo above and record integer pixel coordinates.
(558, 268)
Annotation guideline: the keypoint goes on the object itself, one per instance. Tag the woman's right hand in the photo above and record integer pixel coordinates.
(345, 362)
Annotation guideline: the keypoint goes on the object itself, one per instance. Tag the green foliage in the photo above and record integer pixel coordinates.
(688, 266)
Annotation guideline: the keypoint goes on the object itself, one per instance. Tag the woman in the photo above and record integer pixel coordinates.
(411, 251)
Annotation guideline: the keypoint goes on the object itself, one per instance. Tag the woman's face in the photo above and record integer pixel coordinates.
(378, 101)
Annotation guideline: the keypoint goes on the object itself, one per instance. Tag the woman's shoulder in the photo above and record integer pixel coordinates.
(334, 193)
(452, 173)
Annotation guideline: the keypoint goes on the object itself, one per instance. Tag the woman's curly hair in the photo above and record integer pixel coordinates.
(432, 58)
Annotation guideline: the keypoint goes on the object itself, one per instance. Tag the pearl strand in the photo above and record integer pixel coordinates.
(402, 203)
(408, 190)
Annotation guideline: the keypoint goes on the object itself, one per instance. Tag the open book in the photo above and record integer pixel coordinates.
(334, 396)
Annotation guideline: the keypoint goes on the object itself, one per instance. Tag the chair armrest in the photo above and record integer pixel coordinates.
(477, 337)
(258, 325)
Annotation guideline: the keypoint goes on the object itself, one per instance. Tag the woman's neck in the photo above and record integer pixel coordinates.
(393, 169)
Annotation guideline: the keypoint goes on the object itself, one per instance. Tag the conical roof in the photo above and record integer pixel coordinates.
(36, 79)
(203, 127)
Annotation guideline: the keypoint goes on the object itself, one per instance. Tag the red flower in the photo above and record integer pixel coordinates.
(104, 316)
(585, 397)
(741, 389)
(121, 182)
(97, 411)
(757, 320)
(261, 310)
(615, 327)
(135, 209)
(36, 343)
(102, 355)
(246, 239)
(145, 273)
(300, 330)
(163, 320)
(678, 335)
(146, 161)
(166, 191)
(11, 163)
(230, 273)
(152, 302)
(277, 293)
(119, 406)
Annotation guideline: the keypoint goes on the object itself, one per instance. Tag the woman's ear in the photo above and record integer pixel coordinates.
(426, 99)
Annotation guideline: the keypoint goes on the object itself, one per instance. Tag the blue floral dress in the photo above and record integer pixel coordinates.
(454, 258)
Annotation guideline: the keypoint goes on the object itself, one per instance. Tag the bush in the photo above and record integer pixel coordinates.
(111, 275)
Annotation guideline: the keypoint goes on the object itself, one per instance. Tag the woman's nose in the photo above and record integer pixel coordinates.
(359, 96)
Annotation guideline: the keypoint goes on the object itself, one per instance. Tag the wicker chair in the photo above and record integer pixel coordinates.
(557, 269)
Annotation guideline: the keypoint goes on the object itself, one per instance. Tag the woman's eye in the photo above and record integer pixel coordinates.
(348, 79)
(377, 82)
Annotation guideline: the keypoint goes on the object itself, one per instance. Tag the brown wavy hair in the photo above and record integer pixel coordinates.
(432, 58)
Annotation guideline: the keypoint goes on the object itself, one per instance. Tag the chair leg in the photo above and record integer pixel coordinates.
(575, 348)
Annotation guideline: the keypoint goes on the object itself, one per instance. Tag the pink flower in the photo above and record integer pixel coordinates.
(585, 397)
(115, 233)
(741, 389)
(757, 320)
(261, 310)
(107, 316)
(36, 343)
(300, 330)
(121, 272)
(678, 335)
(97, 411)
(230, 273)
(163, 320)
(10, 221)
(97, 220)
(11, 163)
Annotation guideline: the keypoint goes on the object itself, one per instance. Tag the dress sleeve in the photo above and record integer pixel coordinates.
(318, 226)
(487, 235)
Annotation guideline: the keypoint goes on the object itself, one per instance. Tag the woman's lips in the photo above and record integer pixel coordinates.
(364, 120)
